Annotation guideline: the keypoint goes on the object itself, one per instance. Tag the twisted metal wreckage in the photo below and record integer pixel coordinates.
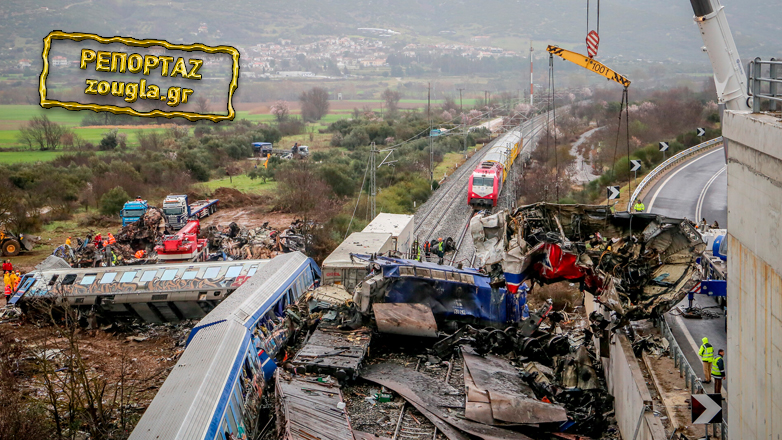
(527, 376)
(151, 230)
(637, 265)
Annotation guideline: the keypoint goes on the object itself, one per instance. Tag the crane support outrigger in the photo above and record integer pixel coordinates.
(589, 64)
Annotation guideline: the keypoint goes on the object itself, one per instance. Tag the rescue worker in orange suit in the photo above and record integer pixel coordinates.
(7, 293)
(139, 254)
(110, 239)
(706, 353)
(17, 279)
(718, 371)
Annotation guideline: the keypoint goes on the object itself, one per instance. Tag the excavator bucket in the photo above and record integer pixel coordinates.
(28, 242)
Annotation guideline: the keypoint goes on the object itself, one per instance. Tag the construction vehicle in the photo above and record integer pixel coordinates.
(184, 245)
(133, 210)
(11, 244)
(265, 149)
(178, 211)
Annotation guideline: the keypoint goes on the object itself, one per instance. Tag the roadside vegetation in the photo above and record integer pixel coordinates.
(671, 116)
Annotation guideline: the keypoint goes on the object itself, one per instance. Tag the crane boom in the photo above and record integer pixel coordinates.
(729, 76)
(589, 64)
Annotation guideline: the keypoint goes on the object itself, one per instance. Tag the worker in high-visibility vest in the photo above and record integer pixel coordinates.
(639, 206)
(718, 370)
(706, 353)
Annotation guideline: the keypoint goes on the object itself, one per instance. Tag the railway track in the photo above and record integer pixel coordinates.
(411, 424)
(465, 252)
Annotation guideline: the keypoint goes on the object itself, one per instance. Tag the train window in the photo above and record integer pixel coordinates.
(406, 271)
(148, 275)
(169, 274)
(233, 272)
(54, 279)
(128, 276)
(438, 274)
(88, 279)
(189, 275)
(252, 271)
(108, 277)
(211, 272)
(68, 279)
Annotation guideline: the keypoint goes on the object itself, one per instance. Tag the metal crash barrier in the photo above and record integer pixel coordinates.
(686, 371)
(670, 163)
(765, 88)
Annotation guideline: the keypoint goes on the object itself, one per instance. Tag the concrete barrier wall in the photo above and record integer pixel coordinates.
(754, 352)
(627, 385)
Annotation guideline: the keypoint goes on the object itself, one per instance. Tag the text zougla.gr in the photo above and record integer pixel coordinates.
(121, 62)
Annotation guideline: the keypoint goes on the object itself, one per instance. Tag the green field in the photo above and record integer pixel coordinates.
(28, 156)
(242, 183)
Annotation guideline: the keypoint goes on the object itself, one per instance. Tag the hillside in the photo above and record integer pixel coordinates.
(657, 30)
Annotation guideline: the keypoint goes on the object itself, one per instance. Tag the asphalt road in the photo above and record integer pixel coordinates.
(695, 189)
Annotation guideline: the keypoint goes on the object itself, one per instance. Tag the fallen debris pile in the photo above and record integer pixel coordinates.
(637, 265)
(255, 243)
(529, 380)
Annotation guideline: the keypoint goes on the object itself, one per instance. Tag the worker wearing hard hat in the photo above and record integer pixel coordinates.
(440, 250)
(706, 353)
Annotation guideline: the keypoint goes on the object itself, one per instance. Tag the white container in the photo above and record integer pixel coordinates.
(339, 268)
(400, 226)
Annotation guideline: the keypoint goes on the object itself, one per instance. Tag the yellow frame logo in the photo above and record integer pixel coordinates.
(77, 36)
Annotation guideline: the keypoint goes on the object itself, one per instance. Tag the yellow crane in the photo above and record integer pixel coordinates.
(589, 64)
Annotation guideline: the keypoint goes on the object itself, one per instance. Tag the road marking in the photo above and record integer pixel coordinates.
(656, 193)
(699, 206)
(687, 335)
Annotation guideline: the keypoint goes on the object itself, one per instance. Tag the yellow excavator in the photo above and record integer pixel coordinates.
(11, 245)
(589, 64)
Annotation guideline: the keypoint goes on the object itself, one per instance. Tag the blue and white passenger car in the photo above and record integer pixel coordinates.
(214, 391)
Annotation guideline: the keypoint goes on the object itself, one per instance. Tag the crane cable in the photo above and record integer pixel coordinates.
(554, 116)
(598, 17)
(623, 106)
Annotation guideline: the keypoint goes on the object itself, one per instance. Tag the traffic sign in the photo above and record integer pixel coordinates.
(636, 165)
(613, 192)
(706, 408)
(701, 132)
(663, 146)
(593, 41)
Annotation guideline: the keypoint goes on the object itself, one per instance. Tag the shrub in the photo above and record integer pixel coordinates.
(113, 200)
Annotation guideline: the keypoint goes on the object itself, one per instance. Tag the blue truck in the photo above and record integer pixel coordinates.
(133, 211)
(178, 211)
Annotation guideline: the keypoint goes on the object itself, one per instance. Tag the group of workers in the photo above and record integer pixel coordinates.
(713, 366)
(436, 247)
(11, 279)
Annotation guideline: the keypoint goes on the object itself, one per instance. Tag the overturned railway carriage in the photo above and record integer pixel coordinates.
(214, 391)
(452, 294)
(488, 178)
(153, 293)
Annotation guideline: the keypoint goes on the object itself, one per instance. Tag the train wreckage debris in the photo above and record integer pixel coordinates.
(637, 265)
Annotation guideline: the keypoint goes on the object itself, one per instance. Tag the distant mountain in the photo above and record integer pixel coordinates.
(658, 30)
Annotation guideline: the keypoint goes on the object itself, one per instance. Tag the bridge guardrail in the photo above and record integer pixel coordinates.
(672, 161)
(691, 379)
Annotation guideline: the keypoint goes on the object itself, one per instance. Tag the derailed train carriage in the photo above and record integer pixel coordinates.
(453, 294)
(214, 391)
(153, 293)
